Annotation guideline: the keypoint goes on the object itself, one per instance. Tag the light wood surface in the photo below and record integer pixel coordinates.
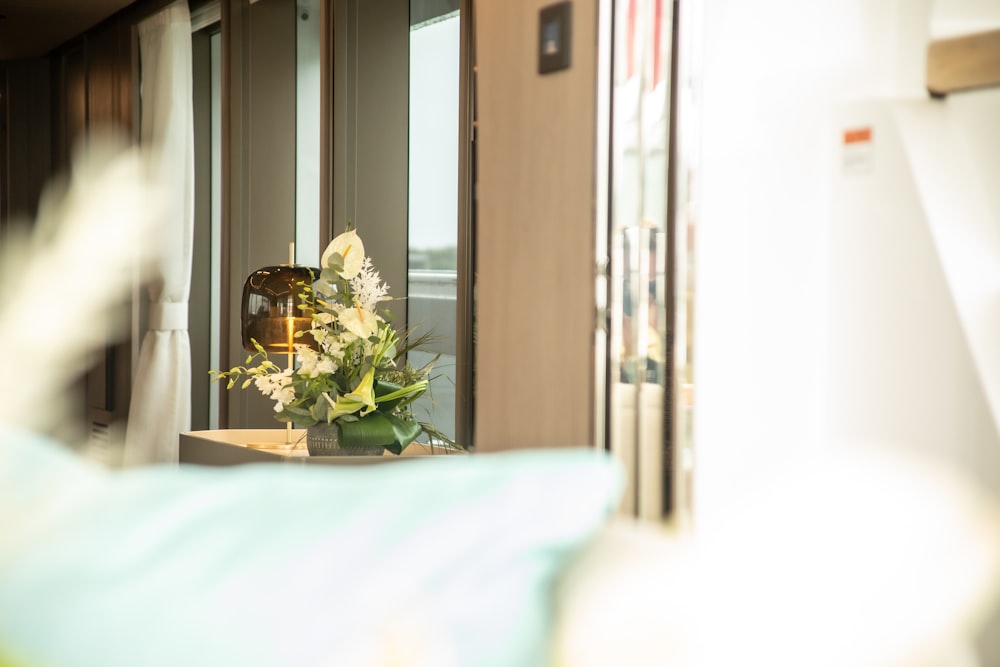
(961, 63)
(225, 447)
(536, 231)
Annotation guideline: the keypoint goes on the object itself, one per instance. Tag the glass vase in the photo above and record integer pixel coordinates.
(324, 440)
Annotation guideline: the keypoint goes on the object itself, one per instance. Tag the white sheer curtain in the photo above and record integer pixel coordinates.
(161, 391)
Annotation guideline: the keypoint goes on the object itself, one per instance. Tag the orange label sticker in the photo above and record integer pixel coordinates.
(857, 135)
(857, 150)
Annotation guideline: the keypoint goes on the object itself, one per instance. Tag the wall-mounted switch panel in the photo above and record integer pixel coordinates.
(554, 37)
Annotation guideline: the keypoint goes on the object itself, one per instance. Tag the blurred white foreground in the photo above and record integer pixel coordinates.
(864, 557)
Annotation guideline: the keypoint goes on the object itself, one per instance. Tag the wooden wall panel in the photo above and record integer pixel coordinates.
(27, 156)
(102, 70)
(53, 102)
(92, 91)
(74, 99)
(535, 232)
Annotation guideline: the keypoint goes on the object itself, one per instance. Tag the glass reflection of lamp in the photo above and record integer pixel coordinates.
(271, 315)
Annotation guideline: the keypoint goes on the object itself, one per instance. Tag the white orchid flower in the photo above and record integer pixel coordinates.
(308, 360)
(271, 384)
(326, 366)
(285, 396)
(333, 346)
(349, 246)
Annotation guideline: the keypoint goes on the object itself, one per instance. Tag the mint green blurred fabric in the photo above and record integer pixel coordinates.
(288, 565)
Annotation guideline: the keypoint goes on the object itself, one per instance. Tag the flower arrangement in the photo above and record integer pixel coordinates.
(349, 373)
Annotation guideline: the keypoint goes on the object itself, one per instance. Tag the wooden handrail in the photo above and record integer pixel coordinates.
(963, 63)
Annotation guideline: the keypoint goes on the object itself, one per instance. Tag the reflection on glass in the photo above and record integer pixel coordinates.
(641, 327)
(215, 352)
(307, 127)
(433, 200)
(687, 183)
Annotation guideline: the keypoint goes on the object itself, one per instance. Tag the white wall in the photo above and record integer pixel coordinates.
(907, 363)
(781, 257)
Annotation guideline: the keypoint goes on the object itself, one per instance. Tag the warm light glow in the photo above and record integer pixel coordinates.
(278, 334)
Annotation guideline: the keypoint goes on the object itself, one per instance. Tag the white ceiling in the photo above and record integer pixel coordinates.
(32, 28)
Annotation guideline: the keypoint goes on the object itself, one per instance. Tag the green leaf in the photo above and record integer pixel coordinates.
(409, 391)
(372, 429)
(405, 430)
(326, 289)
(379, 428)
(382, 389)
(297, 412)
(320, 410)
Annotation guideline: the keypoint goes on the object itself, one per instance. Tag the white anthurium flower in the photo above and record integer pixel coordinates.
(360, 322)
(323, 317)
(349, 246)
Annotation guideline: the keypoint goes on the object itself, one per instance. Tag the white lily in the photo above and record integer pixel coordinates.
(364, 393)
(362, 398)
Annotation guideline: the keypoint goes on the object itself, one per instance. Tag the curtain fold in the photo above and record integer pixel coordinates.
(161, 389)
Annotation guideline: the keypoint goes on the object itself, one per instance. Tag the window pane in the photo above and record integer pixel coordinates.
(307, 130)
(433, 202)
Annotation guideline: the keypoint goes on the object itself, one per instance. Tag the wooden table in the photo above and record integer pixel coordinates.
(226, 447)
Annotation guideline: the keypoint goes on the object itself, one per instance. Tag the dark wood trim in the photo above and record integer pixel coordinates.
(4, 154)
(326, 133)
(465, 289)
(672, 464)
(231, 20)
